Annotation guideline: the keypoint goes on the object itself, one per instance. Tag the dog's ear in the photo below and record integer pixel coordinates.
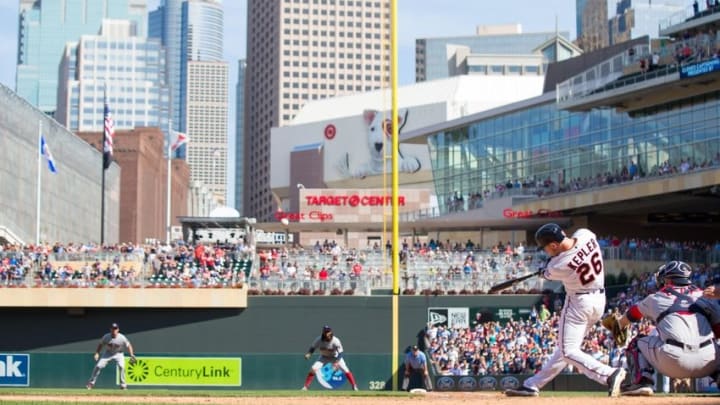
(369, 116)
(402, 119)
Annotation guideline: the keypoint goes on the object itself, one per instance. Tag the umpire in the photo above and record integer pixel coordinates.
(416, 362)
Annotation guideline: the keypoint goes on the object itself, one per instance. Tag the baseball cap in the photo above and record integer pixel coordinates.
(114, 326)
(415, 347)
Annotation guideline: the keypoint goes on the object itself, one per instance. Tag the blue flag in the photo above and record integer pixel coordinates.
(45, 152)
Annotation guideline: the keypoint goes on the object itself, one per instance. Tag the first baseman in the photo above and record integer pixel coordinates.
(682, 344)
(331, 351)
(114, 344)
(577, 262)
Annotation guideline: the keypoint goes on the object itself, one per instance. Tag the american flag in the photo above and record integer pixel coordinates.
(109, 135)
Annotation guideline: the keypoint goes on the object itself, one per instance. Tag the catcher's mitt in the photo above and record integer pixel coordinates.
(620, 334)
(133, 360)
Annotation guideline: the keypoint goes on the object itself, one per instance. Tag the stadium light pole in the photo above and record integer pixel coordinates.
(395, 195)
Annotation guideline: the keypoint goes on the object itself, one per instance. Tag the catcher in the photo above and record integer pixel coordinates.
(331, 350)
(682, 343)
(115, 344)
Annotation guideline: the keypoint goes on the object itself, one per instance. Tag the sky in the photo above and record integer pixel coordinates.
(416, 19)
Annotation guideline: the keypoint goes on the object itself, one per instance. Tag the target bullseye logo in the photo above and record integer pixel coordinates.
(330, 132)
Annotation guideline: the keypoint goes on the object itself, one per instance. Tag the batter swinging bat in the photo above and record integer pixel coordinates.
(507, 284)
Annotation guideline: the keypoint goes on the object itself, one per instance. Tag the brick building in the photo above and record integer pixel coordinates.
(143, 183)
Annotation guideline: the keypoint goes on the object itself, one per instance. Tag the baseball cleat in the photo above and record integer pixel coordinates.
(355, 388)
(89, 385)
(615, 381)
(521, 392)
(303, 388)
(123, 387)
(637, 390)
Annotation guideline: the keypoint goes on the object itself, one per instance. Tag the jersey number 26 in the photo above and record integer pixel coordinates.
(588, 271)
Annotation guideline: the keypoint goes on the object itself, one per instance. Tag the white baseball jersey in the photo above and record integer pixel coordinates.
(331, 349)
(581, 267)
(114, 345)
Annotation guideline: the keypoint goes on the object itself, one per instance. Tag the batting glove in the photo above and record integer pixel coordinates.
(307, 356)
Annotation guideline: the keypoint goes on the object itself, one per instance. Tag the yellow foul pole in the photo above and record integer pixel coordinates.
(395, 194)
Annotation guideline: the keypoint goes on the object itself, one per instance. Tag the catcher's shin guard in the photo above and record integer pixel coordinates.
(638, 366)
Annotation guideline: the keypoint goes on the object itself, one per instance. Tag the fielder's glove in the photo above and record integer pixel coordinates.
(133, 360)
(307, 356)
(620, 334)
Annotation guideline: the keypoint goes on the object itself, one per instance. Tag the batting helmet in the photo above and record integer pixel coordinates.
(677, 272)
(549, 233)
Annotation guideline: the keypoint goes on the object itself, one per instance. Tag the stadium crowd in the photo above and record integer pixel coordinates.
(432, 267)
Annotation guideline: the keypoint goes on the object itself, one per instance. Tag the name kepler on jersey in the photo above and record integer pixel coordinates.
(14, 370)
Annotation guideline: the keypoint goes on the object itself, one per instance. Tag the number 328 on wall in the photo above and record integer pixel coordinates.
(377, 385)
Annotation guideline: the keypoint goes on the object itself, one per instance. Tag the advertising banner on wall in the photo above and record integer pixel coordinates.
(184, 371)
(14, 370)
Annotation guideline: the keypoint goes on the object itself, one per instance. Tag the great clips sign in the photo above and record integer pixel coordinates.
(353, 200)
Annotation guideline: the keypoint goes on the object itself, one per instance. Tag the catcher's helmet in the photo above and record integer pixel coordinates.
(549, 233)
(676, 271)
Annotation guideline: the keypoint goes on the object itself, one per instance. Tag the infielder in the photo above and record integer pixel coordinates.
(331, 351)
(681, 345)
(577, 262)
(115, 344)
(416, 362)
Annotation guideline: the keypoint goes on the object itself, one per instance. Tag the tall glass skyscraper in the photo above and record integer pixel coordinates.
(239, 134)
(128, 68)
(44, 29)
(192, 33)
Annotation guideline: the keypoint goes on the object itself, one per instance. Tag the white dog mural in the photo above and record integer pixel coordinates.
(379, 133)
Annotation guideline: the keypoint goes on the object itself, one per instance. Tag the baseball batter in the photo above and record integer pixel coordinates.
(114, 344)
(577, 262)
(331, 351)
(682, 343)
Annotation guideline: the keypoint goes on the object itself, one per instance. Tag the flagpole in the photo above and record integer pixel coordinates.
(102, 168)
(39, 184)
(169, 185)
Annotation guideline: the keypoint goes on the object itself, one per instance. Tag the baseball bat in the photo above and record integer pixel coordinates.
(507, 284)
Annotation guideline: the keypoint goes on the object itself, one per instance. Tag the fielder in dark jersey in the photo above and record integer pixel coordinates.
(331, 351)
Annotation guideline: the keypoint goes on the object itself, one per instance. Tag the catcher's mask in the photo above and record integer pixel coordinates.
(327, 333)
(676, 272)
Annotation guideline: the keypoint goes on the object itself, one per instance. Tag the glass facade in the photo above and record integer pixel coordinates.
(44, 29)
(130, 71)
(541, 143)
(634, 19)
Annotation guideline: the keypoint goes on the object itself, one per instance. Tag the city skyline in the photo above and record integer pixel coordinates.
(423, 19)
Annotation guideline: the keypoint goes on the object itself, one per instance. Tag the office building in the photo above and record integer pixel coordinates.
(493, 50)
(302, 51)
(44, 29)
(239, 135)
(591, 19)
(117, 67)
(192, 33)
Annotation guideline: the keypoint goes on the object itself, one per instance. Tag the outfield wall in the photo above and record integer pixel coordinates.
(270, 335)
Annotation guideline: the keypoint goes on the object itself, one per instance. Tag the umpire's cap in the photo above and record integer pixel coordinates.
(676, 271)
(549, 233)
(114, 326)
